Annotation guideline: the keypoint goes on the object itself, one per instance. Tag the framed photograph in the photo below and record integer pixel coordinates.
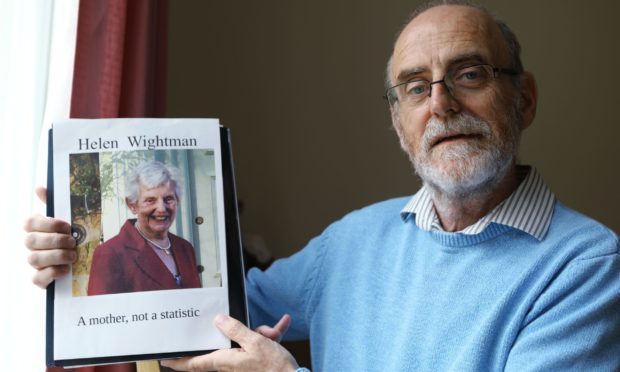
(153, 210)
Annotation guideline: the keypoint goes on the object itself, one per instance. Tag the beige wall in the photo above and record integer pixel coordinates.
(300, 85)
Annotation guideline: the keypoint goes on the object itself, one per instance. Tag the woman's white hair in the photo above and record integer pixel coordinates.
(152, 174)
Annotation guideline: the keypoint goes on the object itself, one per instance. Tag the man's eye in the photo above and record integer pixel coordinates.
(471, 76)
(416, 88)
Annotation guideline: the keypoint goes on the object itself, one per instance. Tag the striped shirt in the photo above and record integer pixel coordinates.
(529, 208)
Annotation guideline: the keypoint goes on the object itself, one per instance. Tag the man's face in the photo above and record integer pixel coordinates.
(456, 145)
(155, 210)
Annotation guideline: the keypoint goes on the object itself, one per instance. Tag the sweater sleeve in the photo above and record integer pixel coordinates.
(575, 323)
(289, 286)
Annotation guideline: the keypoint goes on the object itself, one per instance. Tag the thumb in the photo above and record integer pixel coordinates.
(236, 331)
(41, 193)
(277, 332)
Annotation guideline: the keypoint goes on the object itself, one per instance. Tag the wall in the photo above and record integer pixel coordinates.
(300, 86)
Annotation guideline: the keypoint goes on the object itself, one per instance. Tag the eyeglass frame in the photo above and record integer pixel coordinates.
(496, 72)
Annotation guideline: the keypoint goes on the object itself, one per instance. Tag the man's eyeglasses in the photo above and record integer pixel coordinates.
(459, 82)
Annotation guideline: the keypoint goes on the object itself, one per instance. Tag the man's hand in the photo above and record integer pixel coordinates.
(52, 248)
(257, 352)
(277, 332)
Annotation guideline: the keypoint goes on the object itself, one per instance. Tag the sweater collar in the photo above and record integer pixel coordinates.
(529, 208)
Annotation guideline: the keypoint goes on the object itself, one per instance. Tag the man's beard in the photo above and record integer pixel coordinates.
(471, 166)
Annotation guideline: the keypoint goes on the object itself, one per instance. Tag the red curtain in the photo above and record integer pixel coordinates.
(120, 59)
(119, 71)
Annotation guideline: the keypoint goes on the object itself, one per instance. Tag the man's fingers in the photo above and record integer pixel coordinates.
(52, 257)
(41, 193)
(257, 353)
(276, 332)
(269, 333)
(38, 240)
(44, 277)
(51, 245)
(181, 364)
(45, 224)
(283, 324)
(223, 359)
(236, 331)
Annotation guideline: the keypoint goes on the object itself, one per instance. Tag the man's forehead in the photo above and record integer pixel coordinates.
(441, 34)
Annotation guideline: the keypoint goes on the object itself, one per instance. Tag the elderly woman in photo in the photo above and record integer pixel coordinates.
(145, 256)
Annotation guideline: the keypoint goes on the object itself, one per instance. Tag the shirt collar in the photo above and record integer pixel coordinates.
(529, 208)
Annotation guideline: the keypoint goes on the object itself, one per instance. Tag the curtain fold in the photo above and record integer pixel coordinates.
(119, 71)
(120, 59)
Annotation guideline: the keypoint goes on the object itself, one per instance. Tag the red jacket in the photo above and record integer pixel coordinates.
(126, 263)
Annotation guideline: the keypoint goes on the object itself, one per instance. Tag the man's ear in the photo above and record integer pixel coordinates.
(529, 99)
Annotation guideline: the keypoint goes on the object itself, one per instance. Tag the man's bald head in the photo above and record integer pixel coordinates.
(510, 45)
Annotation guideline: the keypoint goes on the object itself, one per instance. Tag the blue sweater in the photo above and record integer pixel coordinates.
(374, 292)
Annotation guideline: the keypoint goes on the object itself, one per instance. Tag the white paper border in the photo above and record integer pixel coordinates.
(136, 337)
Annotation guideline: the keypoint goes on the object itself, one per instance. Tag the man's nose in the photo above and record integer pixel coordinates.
(442, 102)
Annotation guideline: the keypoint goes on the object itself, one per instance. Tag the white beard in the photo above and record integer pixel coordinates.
(467, 166)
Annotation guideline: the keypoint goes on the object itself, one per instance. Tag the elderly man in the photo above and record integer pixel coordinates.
(482, 269)
(145, 256)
